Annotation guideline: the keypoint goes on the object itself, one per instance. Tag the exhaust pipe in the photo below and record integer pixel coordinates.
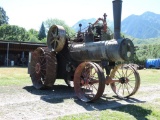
(117, 9)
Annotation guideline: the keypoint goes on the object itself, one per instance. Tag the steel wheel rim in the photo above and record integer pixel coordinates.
(89, 82)
(43, 68)
(38, 68)
(129, 81)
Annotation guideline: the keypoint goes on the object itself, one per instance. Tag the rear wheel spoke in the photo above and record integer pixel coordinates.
(94, 81)
(40, 76)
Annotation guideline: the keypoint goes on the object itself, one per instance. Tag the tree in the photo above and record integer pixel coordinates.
(33, 32)
(13, 32)
(48, 23)
(33, 35)
(16, 33)
(42, 34)
(145, 52)
(3, 17)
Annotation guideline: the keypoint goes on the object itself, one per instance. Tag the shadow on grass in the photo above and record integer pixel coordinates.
(121, 105)
(59, 93)
(129, 100)
(107, 103)
(138, 112)
(55, 95)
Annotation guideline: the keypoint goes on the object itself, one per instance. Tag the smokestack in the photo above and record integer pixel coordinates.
(117, 8)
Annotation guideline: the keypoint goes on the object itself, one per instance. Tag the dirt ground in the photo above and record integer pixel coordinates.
(27, 103)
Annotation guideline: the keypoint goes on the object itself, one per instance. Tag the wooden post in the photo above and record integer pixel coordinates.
(7, 53)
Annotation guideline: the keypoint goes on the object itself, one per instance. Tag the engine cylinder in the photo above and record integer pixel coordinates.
(112, 50)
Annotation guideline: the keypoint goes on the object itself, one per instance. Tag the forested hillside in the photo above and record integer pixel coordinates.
(144, 52)
(142, 26)
(145, 49)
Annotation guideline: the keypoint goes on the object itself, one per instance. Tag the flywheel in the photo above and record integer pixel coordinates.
(43, 68)
(56, 38)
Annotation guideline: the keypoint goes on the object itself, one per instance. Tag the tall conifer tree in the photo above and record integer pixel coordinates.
(3, 17)
(42, 33)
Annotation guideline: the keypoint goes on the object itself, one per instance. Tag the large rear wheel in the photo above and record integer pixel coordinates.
(89, 81)
(43, 68)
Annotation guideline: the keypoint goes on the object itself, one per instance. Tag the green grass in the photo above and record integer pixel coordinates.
(19, 76)
(149, 76)
(14, 76)
(140, 111)
(99, 115)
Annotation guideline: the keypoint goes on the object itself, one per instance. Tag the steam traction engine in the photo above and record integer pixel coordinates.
(89, 60)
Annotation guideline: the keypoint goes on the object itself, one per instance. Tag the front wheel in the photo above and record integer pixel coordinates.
(129, 80)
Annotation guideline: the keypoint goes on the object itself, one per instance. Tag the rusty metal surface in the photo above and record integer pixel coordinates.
(115, 50)
(87, 86)
(111, 50)
(104, 22)
(56, 38)
(91, 45)
(129, 81)
(43, 68)
(109, 80)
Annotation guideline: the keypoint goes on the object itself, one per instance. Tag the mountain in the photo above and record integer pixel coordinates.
(85, 23)
(142, 26)
(148, 41)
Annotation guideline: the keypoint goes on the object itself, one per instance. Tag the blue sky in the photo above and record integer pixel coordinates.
(31, 13)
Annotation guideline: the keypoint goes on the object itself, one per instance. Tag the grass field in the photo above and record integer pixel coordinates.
(149, 76)
(14, 76)
(19, 76)
(141, 111)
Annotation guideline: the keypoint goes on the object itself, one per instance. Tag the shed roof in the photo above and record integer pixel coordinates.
(20, 46)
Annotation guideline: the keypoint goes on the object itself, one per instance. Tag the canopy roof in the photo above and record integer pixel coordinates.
(20, 46)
